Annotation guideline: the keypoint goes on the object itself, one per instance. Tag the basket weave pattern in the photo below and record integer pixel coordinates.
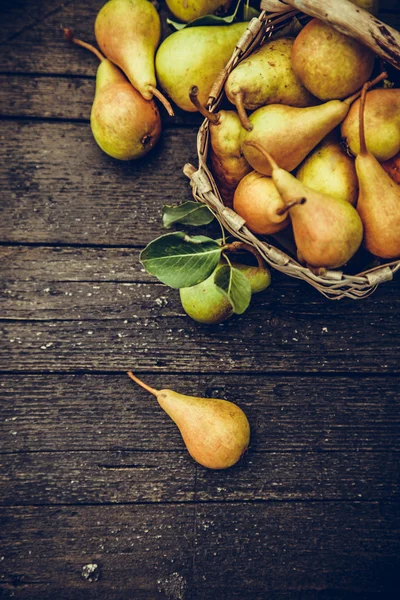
(333, 284)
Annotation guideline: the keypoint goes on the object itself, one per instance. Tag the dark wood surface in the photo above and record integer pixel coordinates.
(92, 471)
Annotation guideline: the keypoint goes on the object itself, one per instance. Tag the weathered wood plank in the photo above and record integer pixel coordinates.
(127, 477)
(108, 413)
(349, 550)
(63, 188)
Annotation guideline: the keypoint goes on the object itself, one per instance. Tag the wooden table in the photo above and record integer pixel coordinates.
(99, 499)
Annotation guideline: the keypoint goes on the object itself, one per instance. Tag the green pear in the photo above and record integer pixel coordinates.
(194, 56)
(329, 170)
(124, 124)
(216, 432)
(382, 124)
(330, 64)
(128, 33)
(188, 10)
(266, 77)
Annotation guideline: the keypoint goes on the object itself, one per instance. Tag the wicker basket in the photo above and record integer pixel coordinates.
(334, 284)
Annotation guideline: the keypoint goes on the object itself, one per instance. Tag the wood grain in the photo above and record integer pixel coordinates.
(95, 412)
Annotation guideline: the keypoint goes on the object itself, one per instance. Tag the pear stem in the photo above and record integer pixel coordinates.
(363, 145)
(370, 84)
(69, 35)
(264, 152)
(193, 95)
(162, 99)
(244, 119)
(289, 205)
(142, 384)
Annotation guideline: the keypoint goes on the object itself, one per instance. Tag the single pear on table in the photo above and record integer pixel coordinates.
(124, 124)
(188, 10)
(216, 432)
(128, 33)
(258, 201)
(328, 169)
(290, 133)
(382, 124)
(378, 201)
(195, 56)
(228, 164)
(328, 231)
(266, 77)
(330, 64)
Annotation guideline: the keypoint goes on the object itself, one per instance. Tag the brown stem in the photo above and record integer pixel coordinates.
(236, 246)
(370, 84)
(264, 152)
(289, 205)
(69, 35)
(244, 119)
(142, 384)
(162, 99)
(363, 145)
(194, 98)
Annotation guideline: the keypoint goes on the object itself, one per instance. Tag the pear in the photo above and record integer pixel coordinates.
(290, 133)
(329, 170)
(228, 164)
(392, 168)
(266, 77)
(330, 64)
(327, 231)
(382, 124)
(128, 32)
(188, 10)
(378, 200)
(124, 124)
(258, 201)
(195, 56)
(205, 303)
(216, 432)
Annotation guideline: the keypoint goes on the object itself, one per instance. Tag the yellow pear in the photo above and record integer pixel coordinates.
(216, 432)
(188, 10)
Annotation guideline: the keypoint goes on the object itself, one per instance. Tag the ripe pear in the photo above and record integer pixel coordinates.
(195, 56)
(266, 77)
(216, 432)
(128, 32)
(382, 124)
(378, 200)
(124, 124)
(188, 10)
(327, 231)
(258, 201)
(228, 164)
(330, 64)
(329, 170)
(290, 133)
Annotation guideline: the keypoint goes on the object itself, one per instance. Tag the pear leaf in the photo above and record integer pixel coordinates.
(234, 286)
(179, 260)
(215, 19)
(188, 213)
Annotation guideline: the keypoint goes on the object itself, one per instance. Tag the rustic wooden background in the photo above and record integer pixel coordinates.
(92, 471)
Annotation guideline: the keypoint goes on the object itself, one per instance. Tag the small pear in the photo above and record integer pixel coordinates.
(329, 170)
(124, 124)
(327, 231)
(266, 77)
(330, 64)
(228, 164)
(216, 432)
(378, 201)
(382, 124)
(195, 56)
(128, 32)
(290, 133)
(188, 10)
(258, 201)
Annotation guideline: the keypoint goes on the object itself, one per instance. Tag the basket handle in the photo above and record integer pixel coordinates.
(349, 19)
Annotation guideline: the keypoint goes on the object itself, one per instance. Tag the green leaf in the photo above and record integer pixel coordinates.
(179, 260)
(208, 20)
(234, 286)
(188, 213)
